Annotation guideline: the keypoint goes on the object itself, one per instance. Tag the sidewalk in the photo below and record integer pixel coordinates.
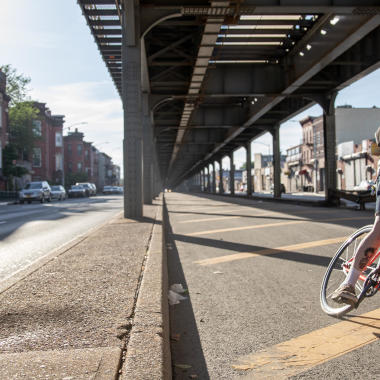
(80, 314)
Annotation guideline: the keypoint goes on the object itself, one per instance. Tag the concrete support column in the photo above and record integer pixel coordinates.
(249, 168)
(213, 178)
(203, 180)
(131, 94)
(276, 162)
(221, 189)
(208, 179)
(147, 150)
(330, 146)
(232, 174)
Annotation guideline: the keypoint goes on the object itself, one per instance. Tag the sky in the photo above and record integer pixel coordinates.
(49, 41)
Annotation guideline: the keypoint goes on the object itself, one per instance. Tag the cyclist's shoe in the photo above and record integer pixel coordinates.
(345, 294)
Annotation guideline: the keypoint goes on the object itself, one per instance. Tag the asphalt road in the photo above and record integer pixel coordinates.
(29, 232)
(253, 271)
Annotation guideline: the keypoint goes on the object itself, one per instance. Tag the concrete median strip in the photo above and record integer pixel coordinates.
(148, 351)
(83, 308)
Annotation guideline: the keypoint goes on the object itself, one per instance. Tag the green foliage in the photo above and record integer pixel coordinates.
(22, 133)
(244, 166)
(16, 85)
(9, 168)
(73, 178)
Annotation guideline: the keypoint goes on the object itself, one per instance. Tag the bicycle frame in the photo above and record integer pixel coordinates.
(362, 277)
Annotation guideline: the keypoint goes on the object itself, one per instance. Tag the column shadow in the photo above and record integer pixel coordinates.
(186, 347)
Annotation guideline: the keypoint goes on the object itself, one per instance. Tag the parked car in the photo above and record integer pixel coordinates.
(107, 190)
(77, 191)
(94, 188)
(90, 190)
(35, 191)
(58, 192)
(365, 185)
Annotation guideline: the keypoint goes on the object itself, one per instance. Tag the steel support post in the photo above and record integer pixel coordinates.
(213, 178)
(249, 168)
(232, 174)
(221, 188)
(131, 94)
(330, 146)
(276, 162)
(147, 149)
(203, 180)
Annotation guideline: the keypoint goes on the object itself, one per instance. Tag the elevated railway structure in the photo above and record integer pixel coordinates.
(199, 79)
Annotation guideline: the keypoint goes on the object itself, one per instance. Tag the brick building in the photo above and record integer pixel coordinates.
(4, 100)
(47, 157)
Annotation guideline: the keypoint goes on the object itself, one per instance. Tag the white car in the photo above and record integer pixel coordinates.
(58, 192)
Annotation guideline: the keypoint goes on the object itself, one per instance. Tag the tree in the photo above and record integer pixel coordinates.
(16, 85)
(22, 132)
(244, 166)
(9, 169)
(73, 178)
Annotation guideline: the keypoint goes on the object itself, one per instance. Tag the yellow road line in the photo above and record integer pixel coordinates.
(270, 251)
(304, 352)
(210, 219)
(256, 226)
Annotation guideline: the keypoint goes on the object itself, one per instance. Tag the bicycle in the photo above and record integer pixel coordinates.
(369, 280)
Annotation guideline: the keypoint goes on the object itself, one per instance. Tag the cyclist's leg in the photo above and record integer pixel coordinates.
(366, 250)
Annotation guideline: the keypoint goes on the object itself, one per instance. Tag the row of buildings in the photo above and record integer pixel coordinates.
(56, 158)
(303, 165)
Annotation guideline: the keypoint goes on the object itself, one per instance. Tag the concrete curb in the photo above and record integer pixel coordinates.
(148, 350)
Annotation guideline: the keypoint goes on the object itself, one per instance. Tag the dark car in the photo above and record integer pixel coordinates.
(35, 191)
(77, 191)
(90, 190)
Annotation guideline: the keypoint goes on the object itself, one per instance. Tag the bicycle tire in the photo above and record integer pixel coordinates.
(336, 264)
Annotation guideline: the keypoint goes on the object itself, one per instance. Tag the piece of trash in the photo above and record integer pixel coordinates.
(176, 337)
(202, 320)
(217, 272)
(174, 298)
(178, 288)
(182, 366)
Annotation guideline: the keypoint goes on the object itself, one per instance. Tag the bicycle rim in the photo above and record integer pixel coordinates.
(337, 272)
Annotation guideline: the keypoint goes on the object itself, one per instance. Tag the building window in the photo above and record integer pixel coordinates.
(79, 149)
(1, 116)
(70, 166)
(79, 166)
(37, 128)
(58, 139)
(36, 158)
(58, 162)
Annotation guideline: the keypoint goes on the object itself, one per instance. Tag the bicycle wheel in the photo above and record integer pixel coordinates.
(337, 271)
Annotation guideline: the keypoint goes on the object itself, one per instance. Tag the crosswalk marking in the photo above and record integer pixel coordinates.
(258, 226)
(305, 352)
(270, 251)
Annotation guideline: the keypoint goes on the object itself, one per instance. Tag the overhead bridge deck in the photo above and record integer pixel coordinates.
(199, 79)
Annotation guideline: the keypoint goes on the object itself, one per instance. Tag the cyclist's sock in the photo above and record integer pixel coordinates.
(352, 276)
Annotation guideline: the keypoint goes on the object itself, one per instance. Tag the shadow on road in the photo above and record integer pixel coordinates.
(186, 348)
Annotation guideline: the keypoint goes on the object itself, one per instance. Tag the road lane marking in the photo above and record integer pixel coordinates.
(270, 251)
(2, 222)
(305, 352)
(275, 225)
(273, 214)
